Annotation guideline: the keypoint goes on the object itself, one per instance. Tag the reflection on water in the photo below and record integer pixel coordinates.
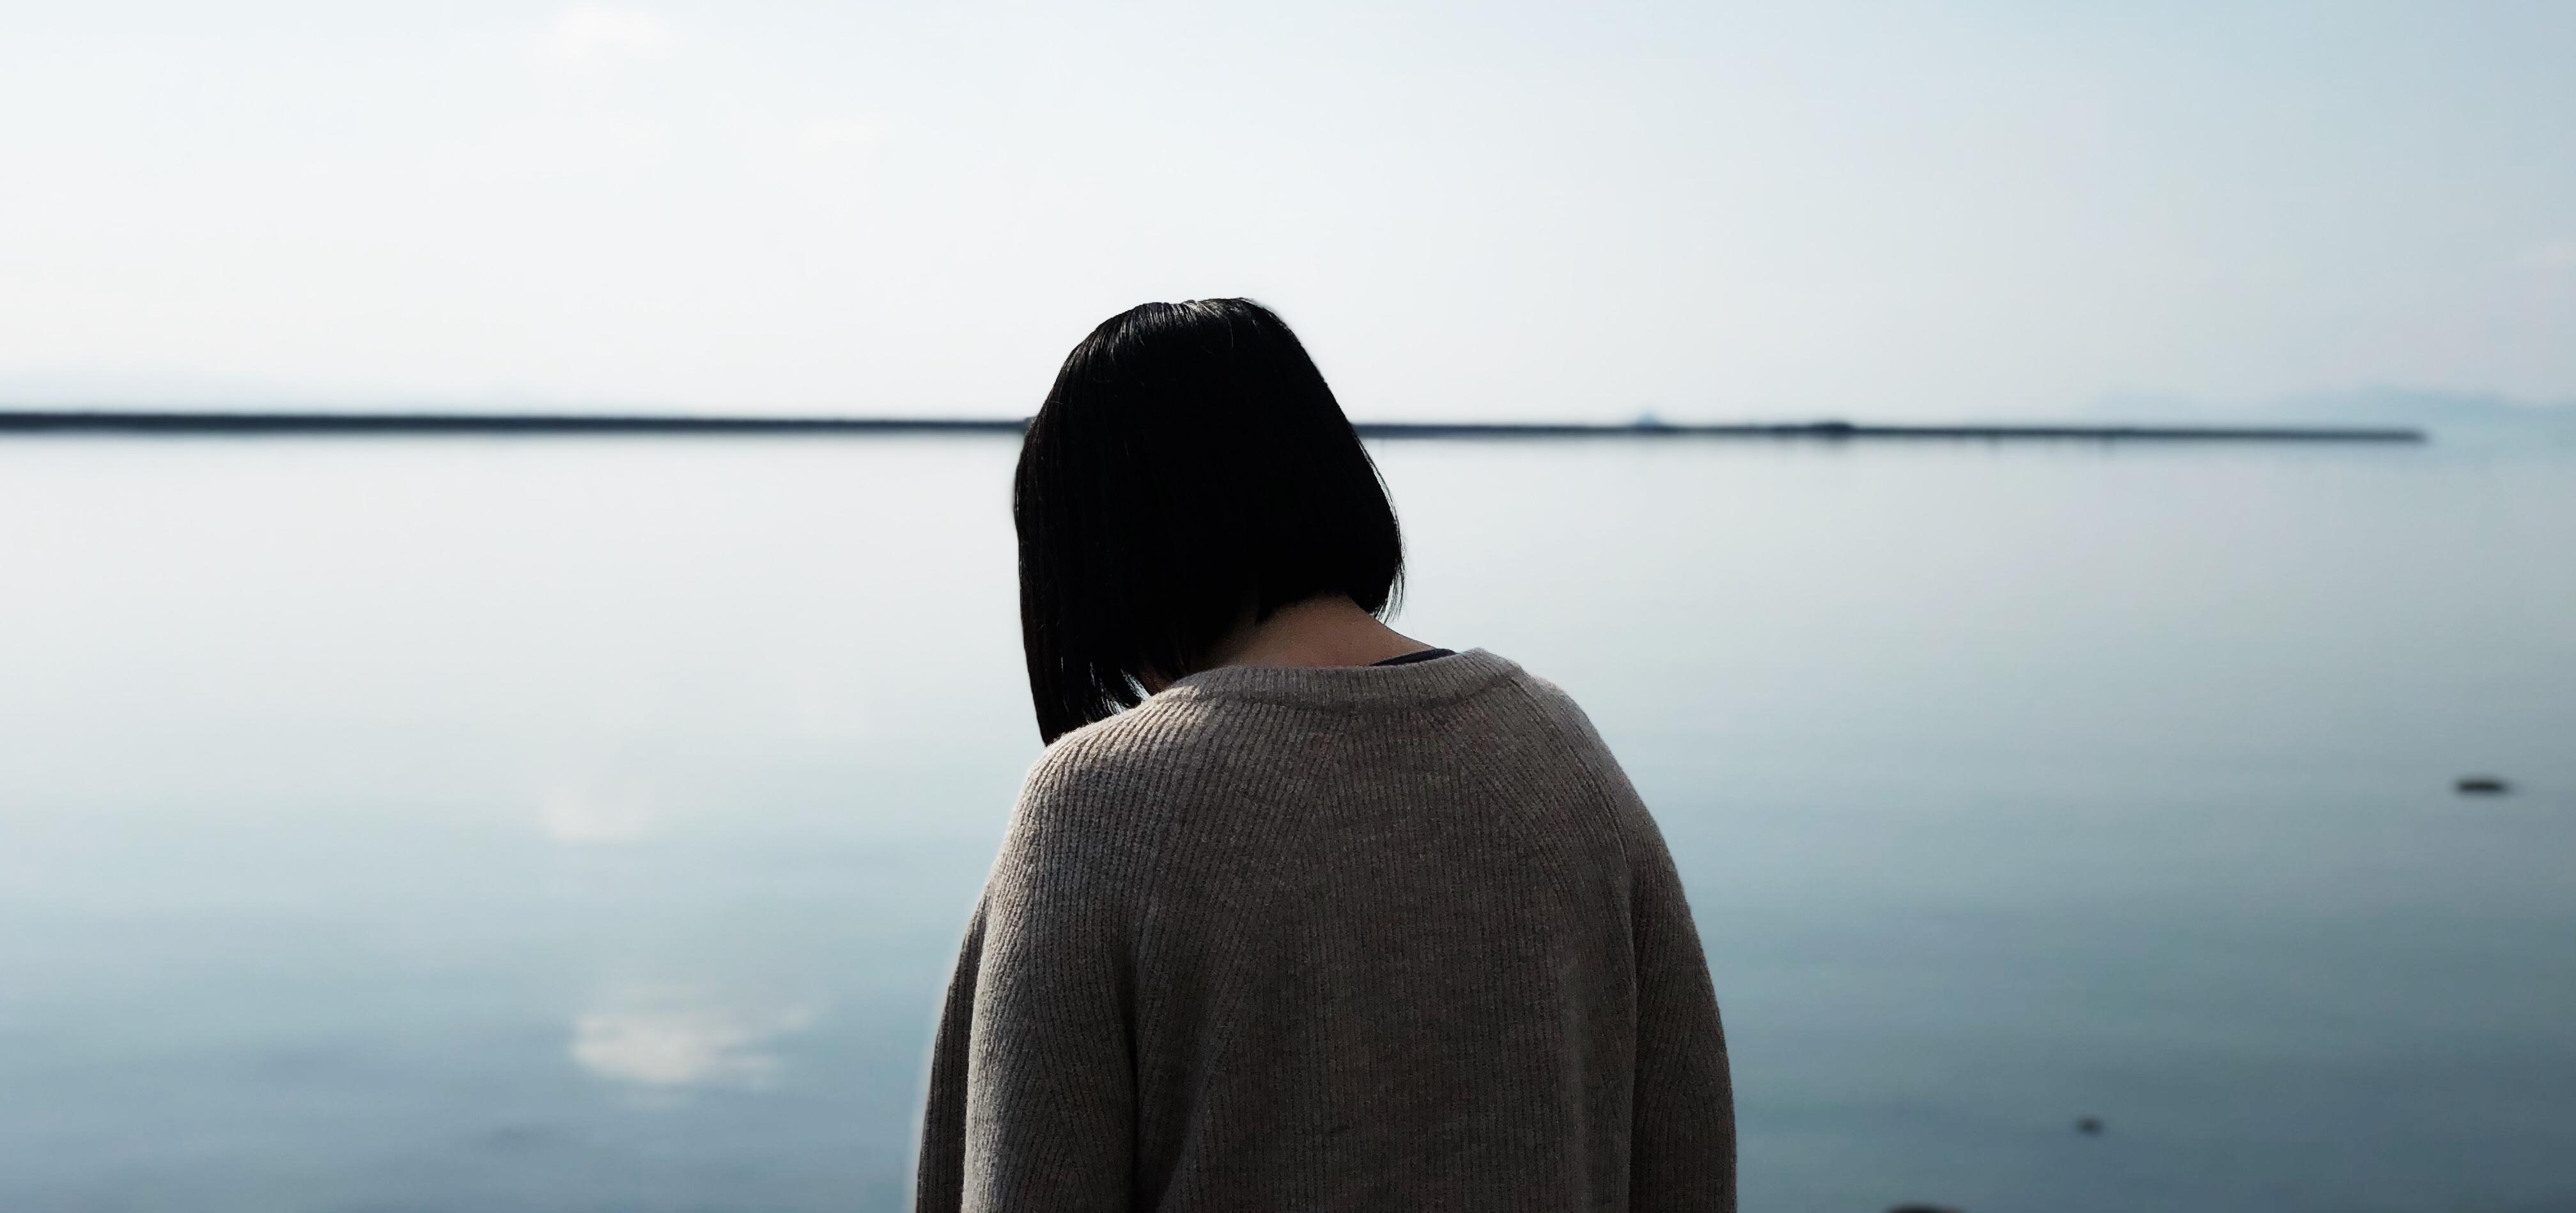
(495, 826)
(678, 1047)
(598, 811)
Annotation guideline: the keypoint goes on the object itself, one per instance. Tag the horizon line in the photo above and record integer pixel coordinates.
(162, 421)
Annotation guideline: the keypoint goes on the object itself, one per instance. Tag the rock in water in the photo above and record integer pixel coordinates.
(2482, 785)
(2090, 1126)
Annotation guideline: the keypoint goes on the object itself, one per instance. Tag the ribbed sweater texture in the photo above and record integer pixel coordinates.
(1339, 938)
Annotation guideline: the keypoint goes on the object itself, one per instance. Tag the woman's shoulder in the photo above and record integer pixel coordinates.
(1122, 744)
(1128, 761)
(1560, 711)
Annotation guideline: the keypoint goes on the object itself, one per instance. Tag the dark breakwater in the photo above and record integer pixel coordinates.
(189, 422)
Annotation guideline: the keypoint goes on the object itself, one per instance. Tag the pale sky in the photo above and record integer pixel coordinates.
(1570, 210)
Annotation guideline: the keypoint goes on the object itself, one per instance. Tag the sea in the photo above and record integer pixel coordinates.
(488, 824)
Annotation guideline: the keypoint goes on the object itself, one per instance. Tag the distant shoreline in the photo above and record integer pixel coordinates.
(22, 421)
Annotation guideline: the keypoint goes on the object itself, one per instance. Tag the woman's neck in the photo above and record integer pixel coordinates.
(1328, 629)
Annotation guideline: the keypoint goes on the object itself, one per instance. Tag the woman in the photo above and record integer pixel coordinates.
(1297, 912)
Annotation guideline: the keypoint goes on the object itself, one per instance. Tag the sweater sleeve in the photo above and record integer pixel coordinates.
(1682, 1141)
(1032, 1088)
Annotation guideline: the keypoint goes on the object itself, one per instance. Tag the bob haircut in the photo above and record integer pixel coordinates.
(1189, 471)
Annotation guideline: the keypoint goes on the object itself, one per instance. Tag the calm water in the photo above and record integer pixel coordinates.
(570, 824)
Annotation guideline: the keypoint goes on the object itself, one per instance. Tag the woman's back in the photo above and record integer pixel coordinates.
(1332, 937)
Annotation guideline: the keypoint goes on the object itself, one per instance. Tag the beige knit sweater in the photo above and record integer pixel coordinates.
(1350, 938)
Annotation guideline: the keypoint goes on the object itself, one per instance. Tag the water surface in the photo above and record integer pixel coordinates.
(475, 824)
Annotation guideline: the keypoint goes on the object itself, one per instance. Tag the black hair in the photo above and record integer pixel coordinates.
(1189, 467)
